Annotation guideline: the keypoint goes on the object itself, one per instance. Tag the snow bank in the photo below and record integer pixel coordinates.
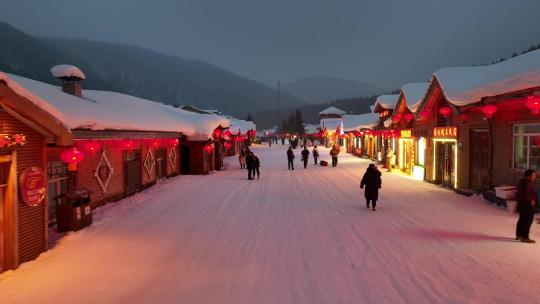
(332, 111)
(66, 70)
(387, 101)
(414, 94)
(467, 85)
(311, 129)
(102, 110)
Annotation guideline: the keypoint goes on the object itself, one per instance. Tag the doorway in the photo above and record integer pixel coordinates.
(185, 165)
(161, 163)
(479, 158)
(132, 171)
(444, 165)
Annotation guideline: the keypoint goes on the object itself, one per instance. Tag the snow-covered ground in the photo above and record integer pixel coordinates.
(300, 236)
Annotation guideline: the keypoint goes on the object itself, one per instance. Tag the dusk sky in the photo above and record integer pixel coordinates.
(384, 42)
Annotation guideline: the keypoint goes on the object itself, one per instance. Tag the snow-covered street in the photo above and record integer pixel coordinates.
(300, 236)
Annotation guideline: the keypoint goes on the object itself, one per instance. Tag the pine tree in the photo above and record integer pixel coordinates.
(249, 117)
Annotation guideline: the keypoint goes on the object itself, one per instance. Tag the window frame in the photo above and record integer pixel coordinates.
(528, 143)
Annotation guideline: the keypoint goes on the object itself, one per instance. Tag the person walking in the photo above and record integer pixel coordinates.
(371, 181)
(250, 164)
(256, 166)
(315, 155)
(389, 158)
(290, 158)
(334, 153)
(242, 158)
(305, 156)
(527, 200)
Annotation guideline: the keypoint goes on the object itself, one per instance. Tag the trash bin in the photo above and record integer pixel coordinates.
(74, 213)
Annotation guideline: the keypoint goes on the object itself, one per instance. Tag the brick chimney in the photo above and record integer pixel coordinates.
(71, 77)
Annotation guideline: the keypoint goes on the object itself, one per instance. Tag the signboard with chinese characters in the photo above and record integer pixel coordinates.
(445, 132)
(33, 185)
(406, 133)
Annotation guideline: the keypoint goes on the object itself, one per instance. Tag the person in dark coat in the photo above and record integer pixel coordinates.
(372, 182)
(290, 158)
(250, 164)
(315, 154)
(305, 156)
(257, 165)
(527, 199)
(334, 153)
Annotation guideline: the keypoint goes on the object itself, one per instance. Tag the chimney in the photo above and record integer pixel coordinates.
(71, 77)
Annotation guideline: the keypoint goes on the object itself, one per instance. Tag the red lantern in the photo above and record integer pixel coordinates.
(155, 143)
(217, 133)
(208, 148)
(489, 110)
(425, 114)
(533, 103)
(175, 142)
(409, 117)
(445, 111)
(72, 156)
(227, 134)
(396, 118)
(91, 147)
(128, 144)
(227, 145)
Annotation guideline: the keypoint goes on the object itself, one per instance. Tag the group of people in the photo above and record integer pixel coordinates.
(248, 160)
(305, 156)
(334, 152)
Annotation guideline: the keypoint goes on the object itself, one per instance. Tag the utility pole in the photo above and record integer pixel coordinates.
(279, 100)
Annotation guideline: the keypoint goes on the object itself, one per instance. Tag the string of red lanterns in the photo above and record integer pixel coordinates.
(7, 140)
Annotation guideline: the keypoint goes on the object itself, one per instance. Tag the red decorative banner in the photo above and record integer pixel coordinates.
(445, 132)
(33, 183)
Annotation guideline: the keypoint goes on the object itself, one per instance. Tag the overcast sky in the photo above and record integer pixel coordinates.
(383, 42)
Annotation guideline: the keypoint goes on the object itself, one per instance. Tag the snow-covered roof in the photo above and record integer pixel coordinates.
(414, 93)
(241, 125)
(361, 121)
(332, 111)
(467, 85)
(330, 123)
(311, 129)
(102, 110)
(67, 70)
(387, 101)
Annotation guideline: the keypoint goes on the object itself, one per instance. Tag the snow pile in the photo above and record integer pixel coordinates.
(414, 94)
(387, 101)
(102, 110)
(467, 85)
(66, 70)
(362, 121)
(311, 129)
(332, 111)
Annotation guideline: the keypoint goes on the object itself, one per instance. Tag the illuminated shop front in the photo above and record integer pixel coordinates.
(445, 156)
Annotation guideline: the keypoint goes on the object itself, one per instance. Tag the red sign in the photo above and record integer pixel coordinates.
(33, 183)
(445, 132)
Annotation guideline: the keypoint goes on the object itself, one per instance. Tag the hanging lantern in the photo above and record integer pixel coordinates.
(208, 148)
(72, 157)
(217, 133)
(445, 111)
(533, 103)
(227, 145)
(489, 110)
(227, 134)
(396, 118)
(425, 114)
(91, 147)
(155, 143)
(409, 117)
(175, 142)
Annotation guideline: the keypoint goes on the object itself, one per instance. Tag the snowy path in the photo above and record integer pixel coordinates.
(300, 236)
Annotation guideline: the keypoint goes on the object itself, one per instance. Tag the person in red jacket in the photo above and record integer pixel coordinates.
(526, 197)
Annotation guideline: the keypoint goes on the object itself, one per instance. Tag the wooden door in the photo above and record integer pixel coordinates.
(185, 165)
(161, 163)
(445, 153)
(479, 158)
(4, 175)
(132, 171)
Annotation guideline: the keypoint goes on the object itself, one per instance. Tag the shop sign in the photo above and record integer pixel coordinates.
(445, 132)
(33, 185)
(406, 133)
